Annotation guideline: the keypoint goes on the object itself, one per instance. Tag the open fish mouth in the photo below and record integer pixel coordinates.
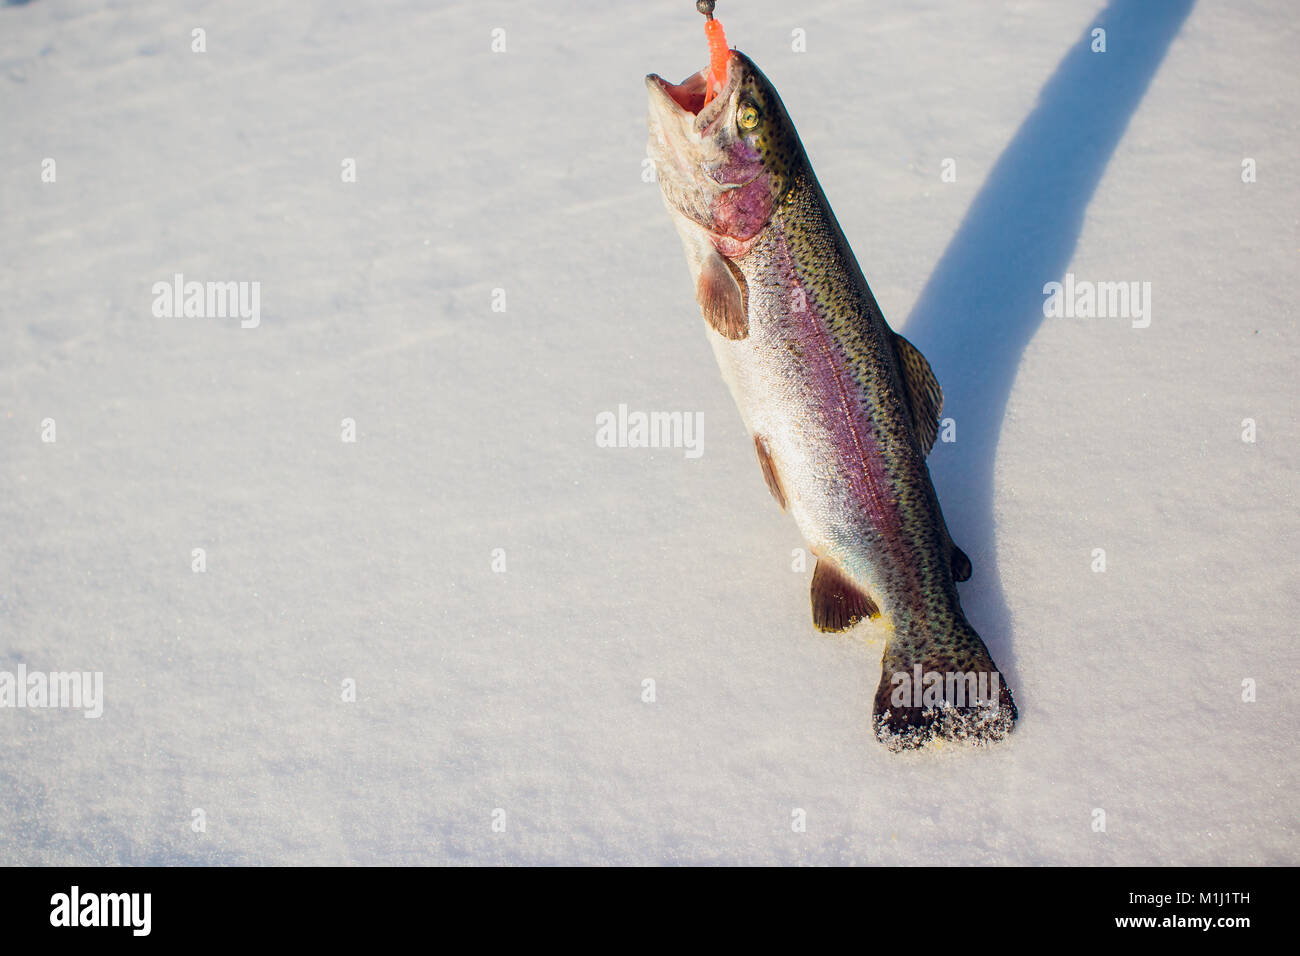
(688, 95)
(686, 99)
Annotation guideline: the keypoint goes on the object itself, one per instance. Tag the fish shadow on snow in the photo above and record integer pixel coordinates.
(984, 300)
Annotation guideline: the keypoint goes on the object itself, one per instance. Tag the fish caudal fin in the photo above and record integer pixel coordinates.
(951, 690)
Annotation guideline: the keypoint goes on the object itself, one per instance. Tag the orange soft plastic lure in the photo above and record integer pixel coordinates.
(717, 51)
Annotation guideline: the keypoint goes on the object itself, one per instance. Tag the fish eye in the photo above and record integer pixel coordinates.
(747, 116)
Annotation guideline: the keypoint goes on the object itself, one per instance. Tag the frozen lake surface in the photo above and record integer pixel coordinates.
(497, 587)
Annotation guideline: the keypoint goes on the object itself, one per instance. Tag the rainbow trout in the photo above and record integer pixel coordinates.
(842, 409)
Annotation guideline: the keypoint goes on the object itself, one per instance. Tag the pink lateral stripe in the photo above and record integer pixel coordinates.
(836, 387)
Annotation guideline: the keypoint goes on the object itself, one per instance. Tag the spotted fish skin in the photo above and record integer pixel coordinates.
(843, 411)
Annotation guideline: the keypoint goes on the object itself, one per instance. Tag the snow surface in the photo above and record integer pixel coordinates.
(522, 690)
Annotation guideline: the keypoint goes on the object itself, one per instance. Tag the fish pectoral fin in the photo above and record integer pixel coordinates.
(838, 603)
(722, 299)
(924, 395)
(769, 471)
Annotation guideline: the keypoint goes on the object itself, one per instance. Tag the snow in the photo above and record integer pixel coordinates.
(521, 691)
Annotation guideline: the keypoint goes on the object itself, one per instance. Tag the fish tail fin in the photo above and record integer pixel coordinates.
(943, 686)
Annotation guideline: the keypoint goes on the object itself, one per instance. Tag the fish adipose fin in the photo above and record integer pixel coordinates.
(722, 299)
(961, 566)
(950, 690)
(838, 603)
(769, 471)
(923, 392)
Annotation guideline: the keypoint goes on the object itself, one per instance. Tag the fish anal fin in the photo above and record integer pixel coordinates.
(721, 298)
(837, 602)
(924, 395)
(769, 471)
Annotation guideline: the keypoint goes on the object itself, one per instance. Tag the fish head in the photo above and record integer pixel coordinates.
(727, 164)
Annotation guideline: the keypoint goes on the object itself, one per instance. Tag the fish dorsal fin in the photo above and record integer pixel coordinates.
(923, 392)
(838, 603)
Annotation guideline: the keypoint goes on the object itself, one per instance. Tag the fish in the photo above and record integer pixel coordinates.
(842, 410)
